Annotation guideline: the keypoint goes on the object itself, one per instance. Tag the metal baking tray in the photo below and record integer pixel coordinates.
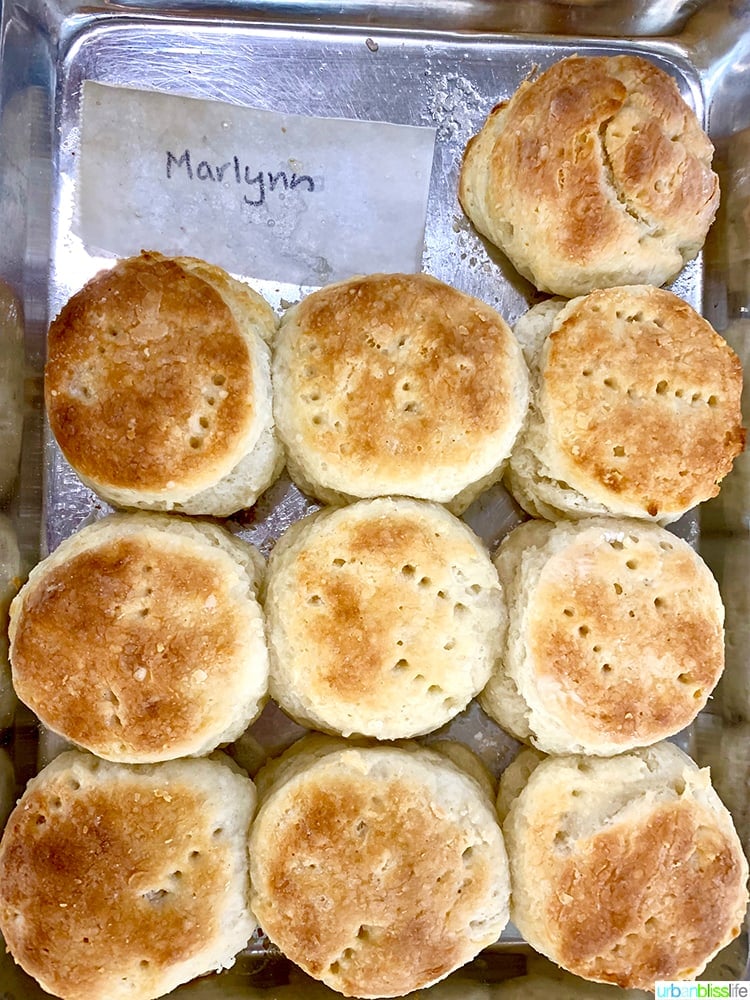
(409, 62)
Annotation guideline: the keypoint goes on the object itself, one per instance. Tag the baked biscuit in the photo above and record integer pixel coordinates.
(140, 638)
(397, 384)
(596, 173)
(158, 387)
(385, 618)
(615, 636)
(635, 407)
(122, 881)
(378, 870)
(627, 869)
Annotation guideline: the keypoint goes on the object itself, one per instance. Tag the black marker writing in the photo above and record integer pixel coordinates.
(263, 182)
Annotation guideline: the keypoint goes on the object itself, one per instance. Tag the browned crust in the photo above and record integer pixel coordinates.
(595, 143)
(647, 901)
(643, 399)
(411, 372)
(117, 650)
(371, 886)
(148, 380)
(630, 639)
(360, 591)
(125, 874)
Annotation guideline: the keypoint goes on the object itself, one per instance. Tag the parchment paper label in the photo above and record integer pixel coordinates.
(266, 195)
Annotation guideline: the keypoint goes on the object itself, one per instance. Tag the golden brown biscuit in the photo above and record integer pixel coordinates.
(158, 387)
(397, 384)
(378, 870)
(626, 869)
(385, 618)
(635, 407)
(140, 638)
(615, 636)
(122, 882)
(596, 173)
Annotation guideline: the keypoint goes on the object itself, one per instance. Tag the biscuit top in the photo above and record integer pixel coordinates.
(642, 401)
(606, 154)
(378, 870)
(146, 633)
(630, 881)
(149, 382)
(624, 635)
(104, 870)
(633, 871)
(397, 378)
(393, 610)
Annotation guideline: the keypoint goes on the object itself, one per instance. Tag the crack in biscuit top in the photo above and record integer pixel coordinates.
(149, 380)
(600, 153)
(399, 373)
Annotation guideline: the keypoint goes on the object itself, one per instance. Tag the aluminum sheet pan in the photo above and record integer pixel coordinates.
(442, 66)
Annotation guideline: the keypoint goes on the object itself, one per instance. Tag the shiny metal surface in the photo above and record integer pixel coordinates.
(438, 64)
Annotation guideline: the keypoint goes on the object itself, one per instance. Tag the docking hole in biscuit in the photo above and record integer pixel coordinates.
(155, 895)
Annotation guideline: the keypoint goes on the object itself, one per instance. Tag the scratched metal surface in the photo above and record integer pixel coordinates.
(411, 63)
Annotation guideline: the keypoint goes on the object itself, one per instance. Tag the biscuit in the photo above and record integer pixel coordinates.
(385, 618)
(615, 636)
(596, 173)
(158, 387)
(140, 638)
(397, 384)
(625, 870)
(122, 881)
(379, 870)
(635, 407)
